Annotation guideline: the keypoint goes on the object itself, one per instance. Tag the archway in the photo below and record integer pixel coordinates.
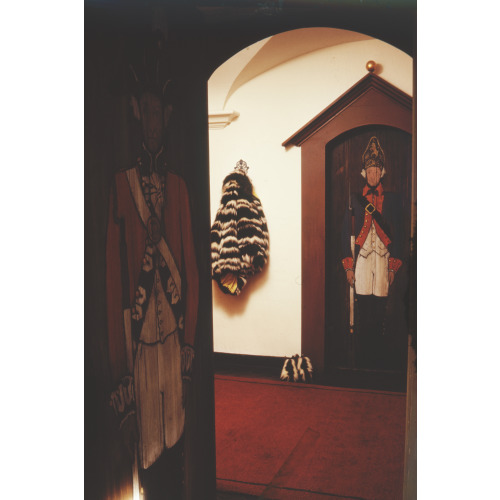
(266, 98)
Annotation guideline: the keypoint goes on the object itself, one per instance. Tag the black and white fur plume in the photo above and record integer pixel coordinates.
(297, 369)
(239, 235)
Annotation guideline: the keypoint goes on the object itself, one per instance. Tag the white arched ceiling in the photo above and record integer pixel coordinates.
(268, 53)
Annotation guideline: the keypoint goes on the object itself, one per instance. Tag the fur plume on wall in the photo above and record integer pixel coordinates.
(239, 235)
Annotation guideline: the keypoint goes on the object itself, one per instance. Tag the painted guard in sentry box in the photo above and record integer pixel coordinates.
(374, 221)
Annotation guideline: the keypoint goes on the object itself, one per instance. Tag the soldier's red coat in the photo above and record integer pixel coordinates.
(125, 246)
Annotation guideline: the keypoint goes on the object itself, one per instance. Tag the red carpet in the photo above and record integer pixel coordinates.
(293, 441)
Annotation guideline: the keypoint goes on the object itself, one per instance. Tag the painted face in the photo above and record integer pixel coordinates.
(152, 121)
(373, 175)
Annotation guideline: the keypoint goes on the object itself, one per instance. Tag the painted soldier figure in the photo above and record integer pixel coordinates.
(152, 300)
(374, 221)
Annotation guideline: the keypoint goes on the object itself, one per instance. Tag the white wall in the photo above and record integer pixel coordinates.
(265, 319)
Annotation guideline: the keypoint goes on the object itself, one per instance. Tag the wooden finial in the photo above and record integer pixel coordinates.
(370, 66)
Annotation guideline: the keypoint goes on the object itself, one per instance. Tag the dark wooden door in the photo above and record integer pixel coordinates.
(343, 169)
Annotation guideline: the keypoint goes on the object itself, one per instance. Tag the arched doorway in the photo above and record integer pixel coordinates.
(255, 133)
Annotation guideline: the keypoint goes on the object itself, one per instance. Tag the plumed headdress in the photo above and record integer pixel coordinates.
(373, 156)
(240, 237)
(150, 69)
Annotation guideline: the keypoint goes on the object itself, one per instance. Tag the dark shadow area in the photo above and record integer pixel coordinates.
(265, 367)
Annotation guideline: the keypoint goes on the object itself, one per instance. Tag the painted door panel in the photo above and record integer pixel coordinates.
(343, 172)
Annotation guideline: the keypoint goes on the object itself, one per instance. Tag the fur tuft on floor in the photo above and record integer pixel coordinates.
(297, 369)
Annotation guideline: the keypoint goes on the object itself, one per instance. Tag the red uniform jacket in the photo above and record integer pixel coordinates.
(125, 246)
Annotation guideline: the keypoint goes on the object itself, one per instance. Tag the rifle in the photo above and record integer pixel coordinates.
(351, 288)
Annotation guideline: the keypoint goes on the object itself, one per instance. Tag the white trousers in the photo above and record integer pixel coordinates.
(372, 274)
(158, 396)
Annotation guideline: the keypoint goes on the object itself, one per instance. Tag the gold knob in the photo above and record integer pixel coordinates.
(370, 66)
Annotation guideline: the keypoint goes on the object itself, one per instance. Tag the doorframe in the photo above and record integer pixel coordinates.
(371, 101)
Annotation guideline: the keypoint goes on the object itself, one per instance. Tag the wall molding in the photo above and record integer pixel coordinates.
(221, 119)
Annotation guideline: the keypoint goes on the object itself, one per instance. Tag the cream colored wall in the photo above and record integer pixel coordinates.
(266, 318)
